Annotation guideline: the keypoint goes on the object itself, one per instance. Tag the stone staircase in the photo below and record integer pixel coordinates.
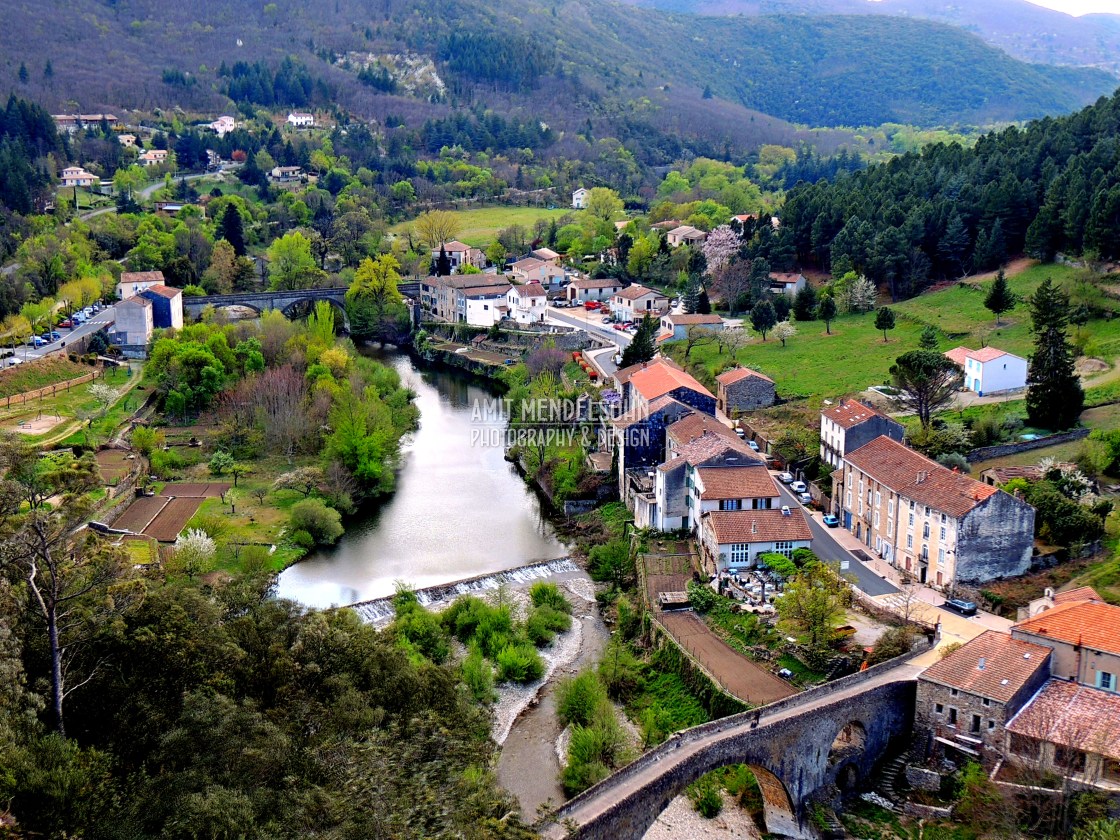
(889, 776)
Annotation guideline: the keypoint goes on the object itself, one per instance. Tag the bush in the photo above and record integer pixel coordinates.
(578, 698)
(549, 594)
(705, 797)
(621, 672)
(147, 440)
(894, 642)
(478, 674)
(519, 663)
(322, 522)
(165, 464)
(422, 629)
(544, 623)
(593, 750)
(612, 563)
(701, 597)
(302, 539)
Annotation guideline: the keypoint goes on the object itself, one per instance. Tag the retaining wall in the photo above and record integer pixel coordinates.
(986, 453)
(51, 390)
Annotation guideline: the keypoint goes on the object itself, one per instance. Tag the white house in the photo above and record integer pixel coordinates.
(134, 282)
(636, 301)
(127, 140)
(486, 305)
(76, 176)
(675, 327)
(989, 370)
(734, 539)
(787, 284)
(850, 424)
(527, 303)
(223, 125)
(134, 322)
(579, 199)
(580, 291)
(460, 254)
(284, 174)
(685, 235)
(153, 157)
(301, 120)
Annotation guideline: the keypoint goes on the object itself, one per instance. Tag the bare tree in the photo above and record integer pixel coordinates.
(279, 397)
(696, 336)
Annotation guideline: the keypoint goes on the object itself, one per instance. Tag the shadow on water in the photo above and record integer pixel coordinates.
(460, 509)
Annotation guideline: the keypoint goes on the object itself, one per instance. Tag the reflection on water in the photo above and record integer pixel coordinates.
(459, 510)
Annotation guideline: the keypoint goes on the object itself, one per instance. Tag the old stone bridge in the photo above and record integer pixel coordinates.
(804, 748)
(285, 301)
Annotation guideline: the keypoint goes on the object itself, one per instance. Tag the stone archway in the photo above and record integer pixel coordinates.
(850, 740)
(310, 302)
(777, 807)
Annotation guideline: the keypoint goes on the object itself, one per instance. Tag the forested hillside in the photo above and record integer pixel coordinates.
(565, 62)
(1053, 186)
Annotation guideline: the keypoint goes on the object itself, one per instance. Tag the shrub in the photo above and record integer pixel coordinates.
(621, 672)
(544, 623)
(478, 674)
(323, 523)
(593, 750)
(422, 629)
(701, 597)
(894, 642)
(578, 698)
(705, 797)
(302, 539)
(549, 594)
(519, 663)
(167, 463)
(612, 563)
(147, 440)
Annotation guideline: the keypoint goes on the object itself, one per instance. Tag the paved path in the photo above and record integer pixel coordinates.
(738, 675)
(673, 755)
(99, 321)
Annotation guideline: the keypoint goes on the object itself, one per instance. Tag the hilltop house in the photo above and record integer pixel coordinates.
(299, 119)
(675, 327)
(937, 525)
(134, 282)
(167, 306)
(990, 371)
(851, 424)
(127, 140)
(579, 199)
(787, 284)
(153, 157)
(286, 174)
(75, 122)
(580, 291)
(742, 389)
(636, 301)
(76, 176)
(685, 235)
(223, 125)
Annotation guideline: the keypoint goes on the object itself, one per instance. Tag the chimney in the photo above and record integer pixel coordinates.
(980, 665)
(754, 527)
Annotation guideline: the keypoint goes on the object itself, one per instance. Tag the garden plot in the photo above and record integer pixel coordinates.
(141, 513)
(201, 490)
(172, 517)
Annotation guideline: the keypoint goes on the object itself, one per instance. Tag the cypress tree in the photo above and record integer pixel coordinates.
(643, 347)
(928, 339)
(232, 230)
(1054, 398)
(703, 305)
(1000, 298)
(690, 299)
(443, 264)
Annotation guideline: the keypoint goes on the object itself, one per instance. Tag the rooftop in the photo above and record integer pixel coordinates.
(603, 283)
(713, 450)
(658, 379)
(787, 279)
(622, 375)
(992, 665)
(916, 477)
(530, 290)
(637, 291)
(487, 291)
(688, 320)
(136, 300)
(737, 483)
(730, 377)
(142, 277)
(850, 413)
(163, 291)
(1072, 715)
(454, 246)
(1091, 624)
(984, 354)
(696, 424)
(755, 526)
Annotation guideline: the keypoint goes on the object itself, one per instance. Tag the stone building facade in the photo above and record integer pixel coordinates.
(742, 389)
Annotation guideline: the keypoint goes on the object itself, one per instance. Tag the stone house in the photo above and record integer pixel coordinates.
(735, 539)
(167, 306)
(459, 254)
(935, 524)
(658, 380)
(621, 377)
(851, 424)
(1084, 636)
(742, 389)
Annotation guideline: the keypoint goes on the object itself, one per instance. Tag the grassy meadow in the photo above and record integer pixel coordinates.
(479, 227)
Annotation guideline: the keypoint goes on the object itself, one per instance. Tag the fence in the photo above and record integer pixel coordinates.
(51, 390)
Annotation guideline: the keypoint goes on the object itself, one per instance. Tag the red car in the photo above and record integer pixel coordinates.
(592, 305)
(67, 324)
(619, 326)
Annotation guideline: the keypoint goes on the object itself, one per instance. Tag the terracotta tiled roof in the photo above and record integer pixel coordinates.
(752, 482)
(545, 254)
(787, 279)
(916, 477)
(527, 264)
(656, 380)
(755, 526)
(958, 355)
(1081, 593)
(1072, 715)
(687, 231)
(596, 284)
(484, 291)
(623, 374)
(1092, 624)
(637, 291)
(992, 665)
(530, 290)
(142, 277)
(689, 320)
(138, 300)
(984, 354)
(164, 291)
(696, 424)
(711, 448)
(850, 413)
(730, 377)
(454, 247)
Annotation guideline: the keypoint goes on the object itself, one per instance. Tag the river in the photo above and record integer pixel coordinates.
(460, 510)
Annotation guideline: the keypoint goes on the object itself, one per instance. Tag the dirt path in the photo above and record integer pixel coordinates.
(1010, 270)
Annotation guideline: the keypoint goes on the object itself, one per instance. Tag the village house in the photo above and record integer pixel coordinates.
(787, 284)
(966, 699)
(545, 255)
(621, 377)
(552, 277)
(1050, 599)
(527, 303)
(153, 157)
(486, 305)
(733, 539)
(581, 291)
(931, 522)
(636, 301)
(285, 174)
(75, 122)
(127, 140)
(460, 254)
(134, 282)
(850, 424)
(742, 389)
(989, 370)
(685, 235)
(579, 199)
(299, 119)
(675, 327)
(1084, 636)
(223, 125)
(76, 176)
(133, 322)
(639, 435)
(658, 380)
(167, 306)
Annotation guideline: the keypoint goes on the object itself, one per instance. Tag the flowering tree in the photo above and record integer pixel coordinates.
(194, 552)
(784, 330)
(721, 245)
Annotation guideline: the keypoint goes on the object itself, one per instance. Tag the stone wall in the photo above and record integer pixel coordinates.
(995, 540)
(987, 453)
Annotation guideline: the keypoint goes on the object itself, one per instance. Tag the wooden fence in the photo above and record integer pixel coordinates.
(51, 390)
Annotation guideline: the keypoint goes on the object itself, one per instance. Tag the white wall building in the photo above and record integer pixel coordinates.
(76, 176)
(135, 282)
(735, 539)
(134, 322)
(989, 370)
(579, 199)
(636, 301)
(486, 305)
(581, 291)
(301, 120)
(527, 303)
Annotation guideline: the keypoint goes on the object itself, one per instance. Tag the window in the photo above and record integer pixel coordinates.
(878, 499)
(876, 517)
(890, 526)
(991, 725)
(1106, 680)
(848, 504)
(942, 533)
(952, 716)
(890, 507)
(975, 727)
(942, 519)
(1069, 758)
(909, 540)
(1025, 746)
(925, 553)
(784, 547)
(952, 692)
(740, 552)
(730, 504)
(911, 519)
(986, 701)
(927, 510)
(940, 557)
(925, 531)
(939, 708)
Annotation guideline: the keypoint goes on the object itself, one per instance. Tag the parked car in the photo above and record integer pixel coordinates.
(607, 319)
(620, 326)
(960, 605)
(798, 487)
(831, 521)
(805, 498)
(55, 336)
(78, 318)
(35, 341)
(753, 444)
(66, 324)
(740, 433)
(592, 305)
(786, 478)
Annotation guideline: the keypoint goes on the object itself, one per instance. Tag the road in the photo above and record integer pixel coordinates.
(99, 321)
(147, 192)
(826, 547)
(596, 328)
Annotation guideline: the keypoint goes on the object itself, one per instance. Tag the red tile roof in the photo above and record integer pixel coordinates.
(755, 526)
(710, 447)
(164, 291)
(695, 425)
(916, 477)
(1091, 624)
(984, 354)
(1072, 715)
(636, 292)
(142, 277)
(730, 377)
(850, 413)
(623, 375)
(992, 665)
(596, 284)
(530, 290)
(958, 355)
(1081, 593)
(658, 379)
(751, 482)
(688, 320)
(789, 279)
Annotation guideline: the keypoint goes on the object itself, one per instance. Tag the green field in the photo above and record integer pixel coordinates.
(31, 376)
(480, 227)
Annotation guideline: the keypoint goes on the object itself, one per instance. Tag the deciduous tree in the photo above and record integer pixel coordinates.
(763, 317)
(884, 321)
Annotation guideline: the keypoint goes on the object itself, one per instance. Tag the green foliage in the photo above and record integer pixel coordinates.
(926, 381)
(884, 320)
(1054, 397)
(544, 622)
(643, 346)
(543, 594)
(701, 597)
(478, 674)
(519, 663)
(594, 750)
(704, 794)
(1058, 519)
(812, 603)
(612, 562)
(763, 317)
(779, 564)
(580, 698)
(1102, 829)
(221, 462)
(322, 522)
(979, 797)
(895, 641)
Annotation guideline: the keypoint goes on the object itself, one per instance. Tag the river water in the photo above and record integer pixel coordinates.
(460, 510)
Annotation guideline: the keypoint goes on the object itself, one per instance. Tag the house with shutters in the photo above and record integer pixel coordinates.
(847, 426)
(990, 370)
(675, 326)
(581, 291)
(636, 301)
(733, 540)
(528, 303)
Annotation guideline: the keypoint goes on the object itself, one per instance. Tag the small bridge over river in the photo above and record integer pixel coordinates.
(802, 749)
(286, 301)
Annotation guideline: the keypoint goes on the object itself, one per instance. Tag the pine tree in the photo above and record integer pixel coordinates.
(763, 317)
(443, 263)
(953, 244)
(1000, 298)
(48, 70)
(884, 321)
(232, 230)
(826, 311)
(1054, 398)
(805, 304)
(643, 346)
(23, 74)
(690, 299)
(703, 305)
(928, 339)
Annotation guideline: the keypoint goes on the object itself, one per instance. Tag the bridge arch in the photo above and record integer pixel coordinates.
(288, 308)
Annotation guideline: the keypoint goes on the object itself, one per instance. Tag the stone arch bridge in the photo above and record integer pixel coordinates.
(802, 749)
(285, 301)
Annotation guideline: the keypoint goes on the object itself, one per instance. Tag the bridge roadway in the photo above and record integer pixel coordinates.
(788, 751)
(283, 299)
